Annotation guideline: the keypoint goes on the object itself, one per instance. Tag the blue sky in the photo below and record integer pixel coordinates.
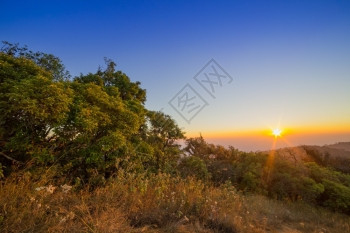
(289, 59)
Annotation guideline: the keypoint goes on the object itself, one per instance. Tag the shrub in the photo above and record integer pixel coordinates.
(193, 166)
(336, 196)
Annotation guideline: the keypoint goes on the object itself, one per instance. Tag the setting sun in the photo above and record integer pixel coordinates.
(276, 132)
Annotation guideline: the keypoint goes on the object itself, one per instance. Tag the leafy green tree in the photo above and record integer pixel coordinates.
(309, 190)
(83, 126)
(48, 62)
(197, 147)
(102, 124)
(248, 172)
(193, 166)
(336, 196)
(110, 78)
(163, 134)
(32, 106)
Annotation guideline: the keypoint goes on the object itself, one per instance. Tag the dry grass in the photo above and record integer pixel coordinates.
(159, 203)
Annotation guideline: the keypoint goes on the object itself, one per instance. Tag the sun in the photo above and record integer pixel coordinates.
(276, 132)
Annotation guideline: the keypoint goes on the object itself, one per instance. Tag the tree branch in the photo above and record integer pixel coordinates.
(9, 158)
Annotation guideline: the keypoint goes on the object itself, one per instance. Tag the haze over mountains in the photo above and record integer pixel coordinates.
(340, 149)
(261, 142)
(342, 146)
(335, 155)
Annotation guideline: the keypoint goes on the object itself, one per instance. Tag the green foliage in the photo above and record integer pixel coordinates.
(193, 166)
(218, 159)
(85, 126)
(309, 190)
(319, 173)
(31, 106)
(197, 147)
(46, 61)
(339, 163)
(336, 196)
(200, 148)
(82, 125)
(273, 175)
(249, 171)
(162, 133)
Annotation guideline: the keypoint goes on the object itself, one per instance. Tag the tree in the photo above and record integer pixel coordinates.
(110, 78)
(197, 147)
(97, 130)
(83, 126)
(163, 135)
(32, 105)
(336, 196)
(103, 124)
(48, 62)
(193, 166)
(309, 190)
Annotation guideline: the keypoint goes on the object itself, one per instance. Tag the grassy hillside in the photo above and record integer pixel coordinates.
(160, 203)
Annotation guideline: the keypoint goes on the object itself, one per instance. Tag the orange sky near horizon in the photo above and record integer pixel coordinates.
(253, 140)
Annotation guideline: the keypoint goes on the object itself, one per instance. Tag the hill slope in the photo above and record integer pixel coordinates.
(335, 155)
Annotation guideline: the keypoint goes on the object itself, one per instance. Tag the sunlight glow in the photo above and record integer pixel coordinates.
(276, 132)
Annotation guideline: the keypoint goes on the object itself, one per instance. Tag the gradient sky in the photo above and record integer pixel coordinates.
(290, 60)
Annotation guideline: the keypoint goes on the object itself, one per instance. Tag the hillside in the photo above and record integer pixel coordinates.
(167, 205)
(340, 146)
(335, 155)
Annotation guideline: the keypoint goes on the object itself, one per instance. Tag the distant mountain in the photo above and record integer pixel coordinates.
(340, 146)
(334, 155)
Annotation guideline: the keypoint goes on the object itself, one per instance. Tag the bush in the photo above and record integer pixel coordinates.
(336, 196)
(193, 166)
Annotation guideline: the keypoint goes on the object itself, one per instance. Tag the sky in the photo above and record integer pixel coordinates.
(283, 64)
